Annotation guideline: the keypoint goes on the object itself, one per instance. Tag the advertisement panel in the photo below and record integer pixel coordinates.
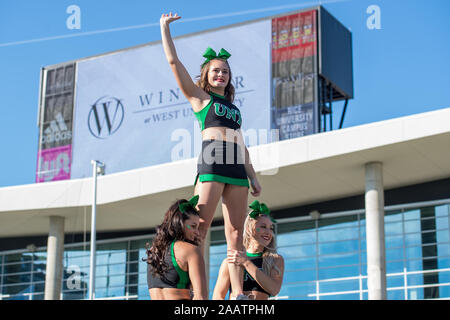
(130, 112)
(294, 74)
(55, 124)
(54, 164)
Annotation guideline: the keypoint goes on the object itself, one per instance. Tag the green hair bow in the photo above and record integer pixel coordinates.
(258, 209)
(191, 204)
(210, 54)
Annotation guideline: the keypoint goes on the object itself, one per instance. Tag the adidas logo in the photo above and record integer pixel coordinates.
(57, 131)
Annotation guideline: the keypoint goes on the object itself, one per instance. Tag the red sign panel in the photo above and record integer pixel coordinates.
(294, 74)
(294, 36)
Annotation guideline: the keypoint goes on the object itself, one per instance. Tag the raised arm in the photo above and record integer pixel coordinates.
(196, 96)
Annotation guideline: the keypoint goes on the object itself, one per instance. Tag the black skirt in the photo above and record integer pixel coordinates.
(221, 161)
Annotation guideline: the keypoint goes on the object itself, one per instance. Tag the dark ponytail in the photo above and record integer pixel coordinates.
(171, 229)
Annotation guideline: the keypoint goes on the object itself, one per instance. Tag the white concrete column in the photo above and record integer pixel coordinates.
(376, 258)
(55, 251)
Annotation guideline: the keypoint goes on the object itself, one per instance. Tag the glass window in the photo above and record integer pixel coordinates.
(143, 293)
(442, 234)
(338, 222)
(38, 296)
(398, 294)
(413, 214)
(394, 254)
(415, 294)
(336, 286)
(342, 296)
(394, 242)
(395, 266)
(109, 281)
(297, 251)
(444, 277)
(338, 234)
(393, 216)
(412, 226)
(108, 292)
(443, 211)
(351, 258)
(443, 249)
(140, 244)
(414, 252)
(342, 249)
(293, 275)
(415, 279)
(413, 239)
(299, 291)
(363, 268)
(414, 265)
(297, 227)
(218, 249)
(217, 252)
(106, 258)
(395, 281)
(444, 262)
(298, 263)
(298, 237)
(393, 229)
(339, 272)
(338, 247)
(444, 292)
(362, 228)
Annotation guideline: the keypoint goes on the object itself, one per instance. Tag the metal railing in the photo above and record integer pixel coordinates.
(361, 290)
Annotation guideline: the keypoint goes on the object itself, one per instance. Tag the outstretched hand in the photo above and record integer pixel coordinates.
(168, 18)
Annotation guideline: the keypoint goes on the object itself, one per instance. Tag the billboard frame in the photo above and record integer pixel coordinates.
(317, 96)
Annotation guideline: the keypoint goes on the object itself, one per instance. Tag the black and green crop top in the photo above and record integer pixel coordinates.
(251, 284)
(175, 277)
(219, 113)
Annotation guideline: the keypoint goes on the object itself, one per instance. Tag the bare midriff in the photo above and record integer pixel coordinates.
(221, 133)
(169, 294)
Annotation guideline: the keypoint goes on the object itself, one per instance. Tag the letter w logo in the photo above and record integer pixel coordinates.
(105, 117)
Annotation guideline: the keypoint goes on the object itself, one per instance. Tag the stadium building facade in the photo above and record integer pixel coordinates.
(317, 189)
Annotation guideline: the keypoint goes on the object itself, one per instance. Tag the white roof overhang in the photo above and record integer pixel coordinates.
(320, 167)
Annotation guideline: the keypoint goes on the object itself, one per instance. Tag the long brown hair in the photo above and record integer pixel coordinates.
(202, 81)
(171, 229)
(269, 252)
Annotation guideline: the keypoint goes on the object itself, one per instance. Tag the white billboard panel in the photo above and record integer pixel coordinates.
(130, 113)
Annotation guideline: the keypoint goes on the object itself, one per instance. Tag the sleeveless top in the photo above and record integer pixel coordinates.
(219, 113)
(251, 284)
(175, 277)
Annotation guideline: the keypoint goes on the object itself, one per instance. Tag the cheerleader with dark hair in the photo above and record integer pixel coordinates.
(176, 269)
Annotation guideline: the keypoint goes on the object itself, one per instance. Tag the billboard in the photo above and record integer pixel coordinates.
(130, 113)
(55, 124)
(294, 75)
(125, 108)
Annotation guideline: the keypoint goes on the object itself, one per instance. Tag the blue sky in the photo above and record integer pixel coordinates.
(401, 69)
